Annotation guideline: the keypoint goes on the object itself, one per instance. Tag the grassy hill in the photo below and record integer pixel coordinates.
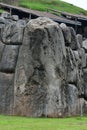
(42, 5)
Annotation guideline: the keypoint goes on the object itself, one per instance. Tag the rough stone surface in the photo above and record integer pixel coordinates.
(66, 33)
(86, 59)
(40, 70)
(79, 40)
(72, 99)
(15, 17)
(78, 58)
(6, 93)
(74, 43)
(12, 33)
(2, 21)
(71, 64)
(43, 68)
(9, 58)
(84, 45)
(82, 56)
(2, 25)
(2, 46)
(5, 15)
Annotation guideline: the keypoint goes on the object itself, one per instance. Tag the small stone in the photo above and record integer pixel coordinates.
(15, 17)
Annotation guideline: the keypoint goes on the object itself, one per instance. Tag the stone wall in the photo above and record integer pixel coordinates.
(43, 68)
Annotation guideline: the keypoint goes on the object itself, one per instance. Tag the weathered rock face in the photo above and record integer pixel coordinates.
(84, 45)
(72, 99)
(42, 68)
(67, 34)
(8, 60)
(6, 93)
(12, 33)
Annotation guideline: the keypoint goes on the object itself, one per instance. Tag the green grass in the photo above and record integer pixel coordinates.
(25, 123)
(42, 5)
(1, 10)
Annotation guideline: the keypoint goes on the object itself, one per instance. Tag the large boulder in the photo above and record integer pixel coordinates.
(40, 72)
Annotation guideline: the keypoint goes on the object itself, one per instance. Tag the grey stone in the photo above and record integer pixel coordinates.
(72, 100)
(66, 33)
(74, 69)
(80, 81)
(1, 49)
(78, 58)
(86, 60)
(40, 70)
(82, 56)
(79, 40)
(12, 34)
(21, 23)
(9, 58)
(2, 24)
(74, 43)
(6, 93)
(6, 15)
(2, 20)
(80, 65)
(84, 45)
(39, 76)
(71, 64)
(15, 17)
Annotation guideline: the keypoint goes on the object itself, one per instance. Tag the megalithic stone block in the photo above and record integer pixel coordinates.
(6, 93)
(9, 59)
(12, 33)
(40, 70)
